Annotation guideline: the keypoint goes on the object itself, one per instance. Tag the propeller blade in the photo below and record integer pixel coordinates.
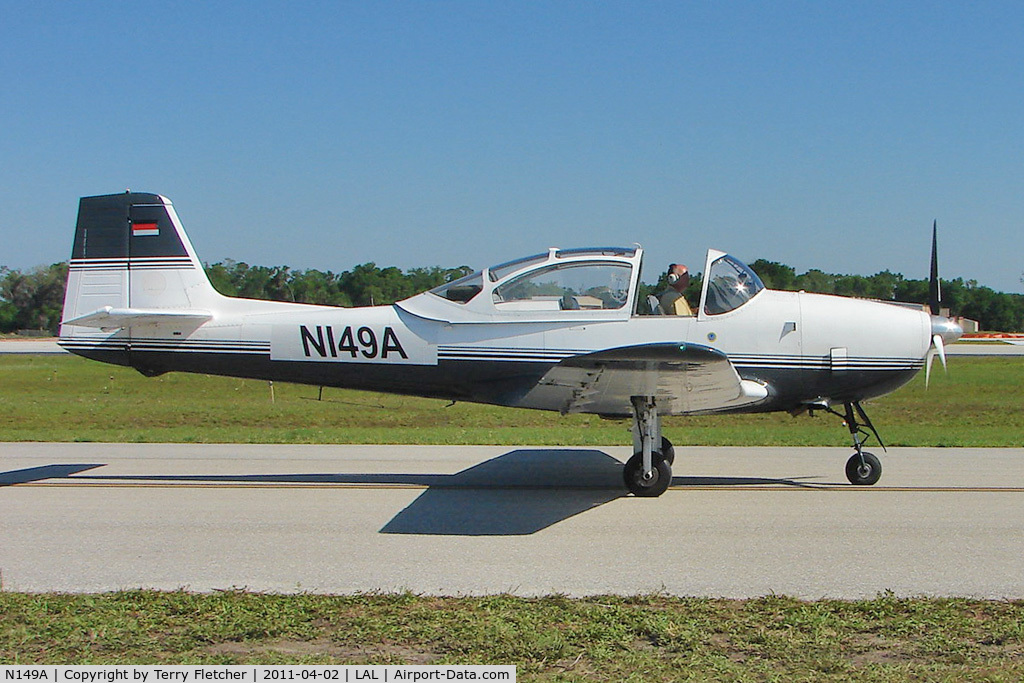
(937, 348)
(934, 289)
(943, 329)
(940, 347)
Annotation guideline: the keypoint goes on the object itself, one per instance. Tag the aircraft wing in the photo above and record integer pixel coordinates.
(684, 378)
(110, 318)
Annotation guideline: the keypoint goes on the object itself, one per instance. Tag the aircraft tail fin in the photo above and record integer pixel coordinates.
(132, 264)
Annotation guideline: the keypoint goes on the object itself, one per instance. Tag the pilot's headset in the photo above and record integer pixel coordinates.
(672, 277)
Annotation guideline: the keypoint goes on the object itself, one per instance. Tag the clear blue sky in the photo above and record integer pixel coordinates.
(326, 134)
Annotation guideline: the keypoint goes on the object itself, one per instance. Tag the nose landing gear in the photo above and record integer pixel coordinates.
(863, 468)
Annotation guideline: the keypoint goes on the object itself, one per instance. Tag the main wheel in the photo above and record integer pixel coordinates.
(866, 473)
(633, 475)
(668, 451)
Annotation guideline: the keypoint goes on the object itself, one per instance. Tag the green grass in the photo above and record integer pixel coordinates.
(646, 638)
(64, 398)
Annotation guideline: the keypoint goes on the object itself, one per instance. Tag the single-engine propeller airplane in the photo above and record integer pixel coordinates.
(561, 330)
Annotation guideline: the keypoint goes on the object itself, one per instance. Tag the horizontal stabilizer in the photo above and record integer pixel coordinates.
(110, 318)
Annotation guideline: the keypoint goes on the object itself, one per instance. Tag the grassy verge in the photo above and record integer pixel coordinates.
(60, 398)
(648, 638)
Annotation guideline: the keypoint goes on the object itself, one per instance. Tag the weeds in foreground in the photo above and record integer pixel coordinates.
(648, 638)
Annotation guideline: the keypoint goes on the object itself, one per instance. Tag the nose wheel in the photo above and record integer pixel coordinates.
(863, 468)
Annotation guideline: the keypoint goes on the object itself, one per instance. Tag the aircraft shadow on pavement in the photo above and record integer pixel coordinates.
(518, 493)
(524, 491)
(527, 490)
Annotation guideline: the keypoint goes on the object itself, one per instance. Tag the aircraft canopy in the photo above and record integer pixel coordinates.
(595, 282)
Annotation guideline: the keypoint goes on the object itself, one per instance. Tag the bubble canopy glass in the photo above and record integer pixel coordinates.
(571, 273)
(730, 284)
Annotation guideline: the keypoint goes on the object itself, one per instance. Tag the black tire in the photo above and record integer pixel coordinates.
(633, 476)
(863, 475)
(668, 451)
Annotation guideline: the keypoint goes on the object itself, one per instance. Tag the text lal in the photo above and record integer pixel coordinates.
(403, 675)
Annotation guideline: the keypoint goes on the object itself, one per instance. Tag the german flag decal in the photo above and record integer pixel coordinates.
(145, 229)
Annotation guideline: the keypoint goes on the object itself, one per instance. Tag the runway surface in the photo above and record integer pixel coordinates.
(31, 346)
(738, 522)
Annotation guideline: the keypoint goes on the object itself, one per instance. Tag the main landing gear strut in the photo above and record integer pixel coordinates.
(863, 468)
(649, 472)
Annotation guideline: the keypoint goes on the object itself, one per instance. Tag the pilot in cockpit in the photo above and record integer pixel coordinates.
(672, 301)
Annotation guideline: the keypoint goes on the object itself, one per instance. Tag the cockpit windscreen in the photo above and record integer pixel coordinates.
(731, 284)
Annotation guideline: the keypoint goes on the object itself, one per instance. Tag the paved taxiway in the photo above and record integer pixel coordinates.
(468, 520)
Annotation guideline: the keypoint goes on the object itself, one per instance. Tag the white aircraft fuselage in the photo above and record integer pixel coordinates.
(562, 330)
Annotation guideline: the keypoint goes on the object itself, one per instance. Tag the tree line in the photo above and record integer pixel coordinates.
(364, 285)
(33, 299)
(995, 311)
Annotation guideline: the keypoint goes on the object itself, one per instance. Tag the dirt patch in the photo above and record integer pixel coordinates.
(877, 650)
(723, 644)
